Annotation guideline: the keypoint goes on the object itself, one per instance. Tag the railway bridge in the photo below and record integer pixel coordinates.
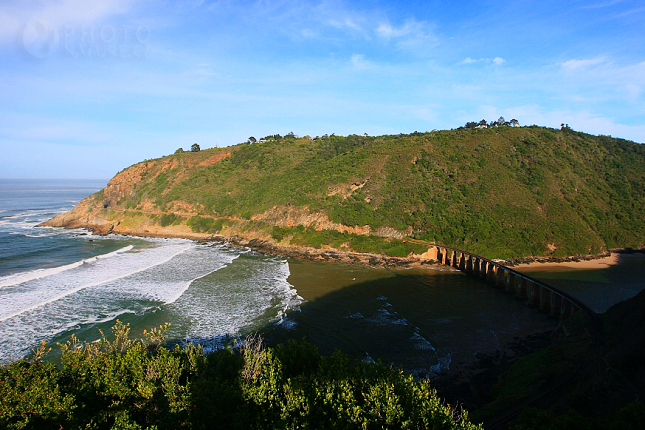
(538, 294)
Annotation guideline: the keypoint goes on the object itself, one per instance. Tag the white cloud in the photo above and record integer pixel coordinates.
(346, 23)
(497, 60)
(573, 65)
(413, 36)
(599, 73)
(360, 63)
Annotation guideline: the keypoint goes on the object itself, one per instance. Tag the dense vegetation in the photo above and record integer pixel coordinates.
(501, 192)
(128, 384)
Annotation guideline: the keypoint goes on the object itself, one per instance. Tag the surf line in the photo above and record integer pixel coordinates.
(19, 278)
(189, 283)
(93, 284)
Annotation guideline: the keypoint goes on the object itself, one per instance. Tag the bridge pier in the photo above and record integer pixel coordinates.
(469, 264)
(510, 283)
(522, 291)
(446, 259)
(500, 279)
(455, 260)
(433, 253)
(545, 300)
(534, 293)
(491, 276)
(482, 268)
(462, 262)
(556, 304)
(567, 309)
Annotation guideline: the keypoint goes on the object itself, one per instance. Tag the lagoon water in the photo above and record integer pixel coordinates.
(57, 282)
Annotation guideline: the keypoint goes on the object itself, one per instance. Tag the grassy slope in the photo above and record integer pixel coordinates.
(501, 192)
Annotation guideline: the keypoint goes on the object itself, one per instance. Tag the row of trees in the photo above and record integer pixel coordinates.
(289, 135)
(499, 123)
(193, 148)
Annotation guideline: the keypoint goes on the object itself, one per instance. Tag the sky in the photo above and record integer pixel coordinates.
(88, 88)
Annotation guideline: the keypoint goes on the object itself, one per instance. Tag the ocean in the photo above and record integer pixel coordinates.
(55, 283)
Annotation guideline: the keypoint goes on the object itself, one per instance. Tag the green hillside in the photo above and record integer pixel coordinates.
(501, 192)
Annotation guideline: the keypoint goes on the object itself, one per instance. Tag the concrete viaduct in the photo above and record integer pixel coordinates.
(539, 295)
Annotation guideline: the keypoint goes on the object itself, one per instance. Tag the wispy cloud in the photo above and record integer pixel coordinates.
(600, 73)
(497, 60)
(573, 65)
(347, 23)
(360, 63)
(414, 36)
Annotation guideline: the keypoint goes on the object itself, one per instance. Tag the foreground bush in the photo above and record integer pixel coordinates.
(136, 384)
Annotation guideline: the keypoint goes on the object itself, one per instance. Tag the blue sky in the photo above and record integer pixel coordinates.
(89, 88)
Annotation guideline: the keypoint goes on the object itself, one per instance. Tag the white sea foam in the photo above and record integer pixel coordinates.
(27, 296)
(19, 278)
(246, 295)
(356, 315)
(421, 342)
(139, 281)
(206, 292)
(385, 317)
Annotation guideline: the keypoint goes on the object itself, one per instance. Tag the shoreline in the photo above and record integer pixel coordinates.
(328, 254)
(583, 263)
(84, 216)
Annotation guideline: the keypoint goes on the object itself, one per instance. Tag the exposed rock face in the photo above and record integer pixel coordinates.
(84, 215)
(215, 158)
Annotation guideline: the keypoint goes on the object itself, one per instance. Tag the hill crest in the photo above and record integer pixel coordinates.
(502, 192)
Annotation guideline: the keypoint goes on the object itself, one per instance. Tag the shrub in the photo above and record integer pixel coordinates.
(125, 383)
(168, 219)
(205, 225)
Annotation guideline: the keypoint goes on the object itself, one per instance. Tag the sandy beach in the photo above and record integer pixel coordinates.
(600, 263)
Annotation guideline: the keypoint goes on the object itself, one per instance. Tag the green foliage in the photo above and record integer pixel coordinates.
(278, 233)
(205, 225)
(168, 219)
(99, 196)
(502, 192)
(351, 241)
(124, 383)
(195, 147)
